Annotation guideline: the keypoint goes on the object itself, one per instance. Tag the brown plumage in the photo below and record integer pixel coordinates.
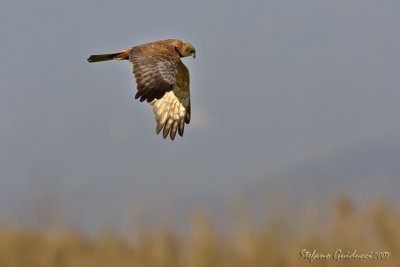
(162, 80)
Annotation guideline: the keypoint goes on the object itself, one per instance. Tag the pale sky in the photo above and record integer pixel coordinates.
(275, 84)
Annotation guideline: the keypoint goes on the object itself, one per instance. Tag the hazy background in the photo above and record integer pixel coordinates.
(296, 94)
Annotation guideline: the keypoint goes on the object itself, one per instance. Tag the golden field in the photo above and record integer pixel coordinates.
(346, 236)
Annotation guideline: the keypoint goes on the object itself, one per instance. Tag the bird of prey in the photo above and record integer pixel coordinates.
(162, 80)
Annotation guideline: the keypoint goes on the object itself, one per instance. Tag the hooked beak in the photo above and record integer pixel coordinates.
(194, 54)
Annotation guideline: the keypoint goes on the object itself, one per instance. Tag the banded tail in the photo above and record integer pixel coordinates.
(113, 56)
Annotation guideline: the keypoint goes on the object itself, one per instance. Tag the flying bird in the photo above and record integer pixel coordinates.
(162, 80)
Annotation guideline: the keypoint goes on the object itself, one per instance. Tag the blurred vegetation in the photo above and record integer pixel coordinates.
(276, 242)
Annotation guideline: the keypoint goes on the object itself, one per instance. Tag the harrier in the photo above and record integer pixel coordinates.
(162, 80)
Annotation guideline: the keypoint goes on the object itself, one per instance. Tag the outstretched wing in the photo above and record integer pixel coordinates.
(172, 111)
(155, 67)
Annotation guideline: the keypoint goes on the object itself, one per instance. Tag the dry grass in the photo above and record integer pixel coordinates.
(276, 243)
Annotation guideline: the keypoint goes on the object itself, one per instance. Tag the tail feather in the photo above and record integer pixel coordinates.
(104, 57)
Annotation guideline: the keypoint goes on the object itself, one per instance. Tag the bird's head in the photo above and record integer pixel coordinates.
(185, 49)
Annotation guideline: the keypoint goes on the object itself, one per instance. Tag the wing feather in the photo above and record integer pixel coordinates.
(155, 67)
(172, 111)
